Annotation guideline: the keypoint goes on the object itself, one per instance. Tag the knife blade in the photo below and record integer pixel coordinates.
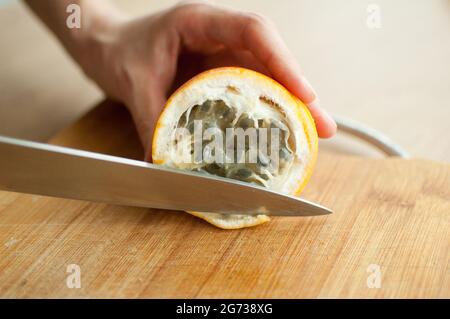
(50, 170)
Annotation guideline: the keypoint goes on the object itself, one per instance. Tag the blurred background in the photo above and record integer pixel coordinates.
(394, 77)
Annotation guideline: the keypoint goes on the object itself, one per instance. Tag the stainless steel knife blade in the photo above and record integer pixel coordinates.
(50, 170)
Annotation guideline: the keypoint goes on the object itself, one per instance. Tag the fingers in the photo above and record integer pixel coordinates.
(325, 125)
(212, 26)
(261, 38)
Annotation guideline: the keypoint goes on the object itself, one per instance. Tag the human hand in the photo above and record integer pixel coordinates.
(140, 61)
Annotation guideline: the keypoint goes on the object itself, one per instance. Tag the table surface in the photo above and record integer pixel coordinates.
(395, 78)
(391, 221)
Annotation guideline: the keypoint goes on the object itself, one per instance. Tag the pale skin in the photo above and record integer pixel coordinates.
(139, 61)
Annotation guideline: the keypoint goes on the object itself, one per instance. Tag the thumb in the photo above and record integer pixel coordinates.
(145, 112)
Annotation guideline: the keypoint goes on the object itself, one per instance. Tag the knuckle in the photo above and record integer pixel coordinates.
(191, 6)
(258, 20)
(189, 10)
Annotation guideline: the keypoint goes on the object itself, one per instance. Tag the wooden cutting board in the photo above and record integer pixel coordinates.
(391, 222)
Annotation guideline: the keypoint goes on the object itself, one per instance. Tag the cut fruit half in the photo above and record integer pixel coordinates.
(223, 101)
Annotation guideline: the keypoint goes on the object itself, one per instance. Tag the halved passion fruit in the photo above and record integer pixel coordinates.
(224, 101)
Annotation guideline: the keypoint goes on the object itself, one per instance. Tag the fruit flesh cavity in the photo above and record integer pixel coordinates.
(217, 116)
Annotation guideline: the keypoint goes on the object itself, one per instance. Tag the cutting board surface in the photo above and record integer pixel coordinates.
(391, 221)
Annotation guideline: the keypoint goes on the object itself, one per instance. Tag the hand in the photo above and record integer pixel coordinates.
(140, 61)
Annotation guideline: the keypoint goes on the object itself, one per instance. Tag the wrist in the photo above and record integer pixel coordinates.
(93, 46)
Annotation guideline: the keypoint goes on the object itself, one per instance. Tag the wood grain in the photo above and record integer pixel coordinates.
(390, 212)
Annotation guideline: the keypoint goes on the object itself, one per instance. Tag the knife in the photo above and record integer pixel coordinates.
(44, 169)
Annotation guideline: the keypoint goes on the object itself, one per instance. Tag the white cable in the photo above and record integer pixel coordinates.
(370, 135)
